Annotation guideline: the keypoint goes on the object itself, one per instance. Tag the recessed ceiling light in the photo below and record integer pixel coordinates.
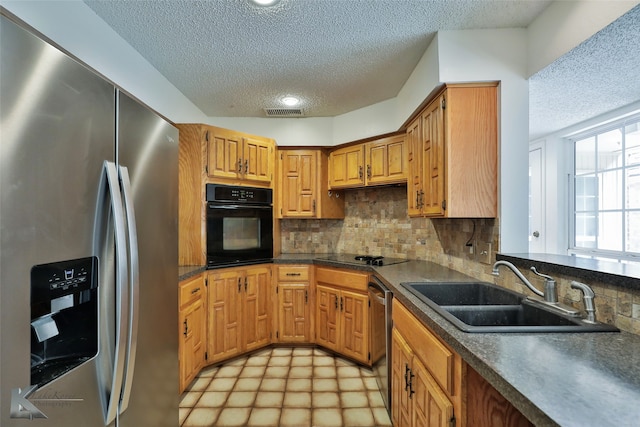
(265, 2)
(290, 101)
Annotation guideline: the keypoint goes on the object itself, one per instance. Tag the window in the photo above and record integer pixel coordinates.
(606, 214)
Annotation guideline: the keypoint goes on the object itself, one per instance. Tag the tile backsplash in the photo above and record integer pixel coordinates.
(376, 223)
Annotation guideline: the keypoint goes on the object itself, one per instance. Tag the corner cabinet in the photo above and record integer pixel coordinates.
(191, 343)
(303, 191)
(342, 312)
(295, 299)
(379, 162)
(426, 376)
(453, 154)
(239, 312)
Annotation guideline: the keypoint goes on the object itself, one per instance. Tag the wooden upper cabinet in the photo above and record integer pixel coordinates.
(237, 157)
(453, 154)
(303, 191)
(224, 156)
(386, 161)
(346, 167)
(379, 162)
(415, 192)
(258, 159)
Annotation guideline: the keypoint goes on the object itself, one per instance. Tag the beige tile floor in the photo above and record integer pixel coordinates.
(297, 387)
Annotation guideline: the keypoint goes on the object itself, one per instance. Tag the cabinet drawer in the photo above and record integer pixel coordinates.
(293, 273)
(190, 290)
(342, 278)
(435, 356)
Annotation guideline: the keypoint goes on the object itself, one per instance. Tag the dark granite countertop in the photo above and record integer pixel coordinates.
(187, 271)
(567, 379)
(608, 271)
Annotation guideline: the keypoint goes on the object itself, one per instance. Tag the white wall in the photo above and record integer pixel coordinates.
(477, 55)
(565, 24)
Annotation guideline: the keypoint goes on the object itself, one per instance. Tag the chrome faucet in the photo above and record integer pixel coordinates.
(550, 293)
(524, 280)
(588, 296)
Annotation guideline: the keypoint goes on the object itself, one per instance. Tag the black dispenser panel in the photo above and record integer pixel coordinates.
(64, 317)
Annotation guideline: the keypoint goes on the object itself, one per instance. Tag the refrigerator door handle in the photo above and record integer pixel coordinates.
(121, 297)
(134, 288)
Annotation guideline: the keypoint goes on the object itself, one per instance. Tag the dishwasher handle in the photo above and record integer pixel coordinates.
(377, 293)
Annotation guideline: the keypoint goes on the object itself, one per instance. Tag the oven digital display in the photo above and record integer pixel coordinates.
(240, 234)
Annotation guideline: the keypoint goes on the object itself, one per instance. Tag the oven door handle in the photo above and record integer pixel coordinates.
(236, 207)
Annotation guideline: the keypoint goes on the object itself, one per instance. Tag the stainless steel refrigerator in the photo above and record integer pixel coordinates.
(88, 246)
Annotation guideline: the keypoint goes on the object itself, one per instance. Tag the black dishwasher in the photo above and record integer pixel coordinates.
(380, 323)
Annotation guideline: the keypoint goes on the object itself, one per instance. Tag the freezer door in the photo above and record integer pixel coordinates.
(148, 153)
(57, 127)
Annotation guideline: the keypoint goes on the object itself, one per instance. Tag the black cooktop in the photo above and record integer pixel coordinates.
(377, 261)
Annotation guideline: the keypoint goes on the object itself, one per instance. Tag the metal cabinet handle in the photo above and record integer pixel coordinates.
(245, 284)
(293, 274)
(306, 296)
(246, 166)
(313, 204)
(239, 284)
(186, 328)
(369, 171)
(195, 291)
(341, 304)
(239, 165)
(336, 302)
(411, 390)
(360, 172)
(406, 376)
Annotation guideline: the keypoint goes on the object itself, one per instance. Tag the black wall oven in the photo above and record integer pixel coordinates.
(239, 225)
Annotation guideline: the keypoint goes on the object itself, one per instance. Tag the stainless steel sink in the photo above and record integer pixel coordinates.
(485, 307)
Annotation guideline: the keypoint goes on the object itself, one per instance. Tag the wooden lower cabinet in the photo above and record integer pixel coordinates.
(239, 312)
(416, 398)
(426, 376)
(295, 299)
(191, 343)
(486, 407)
(342, 315)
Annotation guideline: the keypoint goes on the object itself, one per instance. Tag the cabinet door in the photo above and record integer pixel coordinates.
(415, 174)
(192, 354)
(327, 317)
(257, 160)
(433, 157)
(294, 320)
(431, 407)
(386, 161)
(223, 156)
(346, 167)
(299, 183)
(224, 315)
(401, 356)
(354, 325)
(255, 311)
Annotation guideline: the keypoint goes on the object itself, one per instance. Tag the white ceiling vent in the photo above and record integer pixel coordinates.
(284, 112)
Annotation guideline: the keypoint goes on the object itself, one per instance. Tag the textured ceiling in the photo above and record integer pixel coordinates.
(597, 76)
(232, 58)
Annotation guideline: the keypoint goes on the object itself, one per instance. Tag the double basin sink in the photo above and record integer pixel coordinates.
(485, 307)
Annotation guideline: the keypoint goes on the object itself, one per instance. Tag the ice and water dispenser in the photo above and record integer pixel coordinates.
(64, 317)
